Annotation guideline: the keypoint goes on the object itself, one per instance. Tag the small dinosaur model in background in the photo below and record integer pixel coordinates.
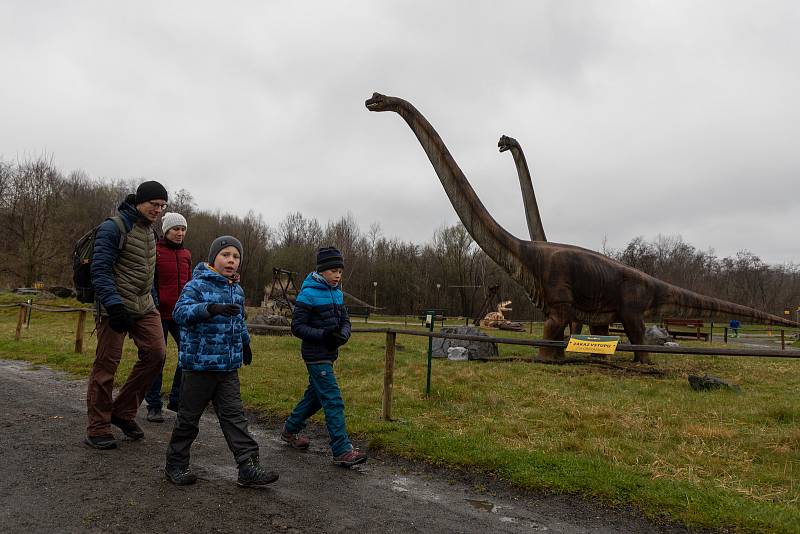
(496, 319)
(566, 282)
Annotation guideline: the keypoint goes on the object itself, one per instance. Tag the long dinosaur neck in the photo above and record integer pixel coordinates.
(535, 227)
(495, 241)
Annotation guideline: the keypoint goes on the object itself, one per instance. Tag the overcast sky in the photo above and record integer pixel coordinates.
(637, 118)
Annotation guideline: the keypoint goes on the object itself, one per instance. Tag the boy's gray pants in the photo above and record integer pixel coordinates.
(222, 389)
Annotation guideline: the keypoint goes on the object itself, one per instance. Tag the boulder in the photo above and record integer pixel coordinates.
(655, 335)
(476, 350)
(62, 292)
(708, 382)
(268, 320)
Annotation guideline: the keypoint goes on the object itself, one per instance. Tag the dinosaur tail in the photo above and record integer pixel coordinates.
(679, 302)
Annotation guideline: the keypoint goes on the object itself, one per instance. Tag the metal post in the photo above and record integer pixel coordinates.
(783, 340)
(388, 376)
(431, 323)
(711, 333)
(30, 311)
(725, 335)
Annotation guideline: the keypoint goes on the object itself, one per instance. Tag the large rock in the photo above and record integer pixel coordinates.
(654, 335)
(709, 382)
(476, 350)
(268, 320)
(62, 292)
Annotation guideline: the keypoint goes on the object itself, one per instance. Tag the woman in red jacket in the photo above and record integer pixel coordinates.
(173, 270)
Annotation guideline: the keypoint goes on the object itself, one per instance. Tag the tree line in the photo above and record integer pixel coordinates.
(43, 212)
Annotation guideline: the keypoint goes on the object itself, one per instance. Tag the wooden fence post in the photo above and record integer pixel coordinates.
(20, 320)
(79, 332)
(388, 376)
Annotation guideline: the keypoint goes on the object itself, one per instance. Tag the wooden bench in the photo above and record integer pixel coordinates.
(358, 311)
(697, 324)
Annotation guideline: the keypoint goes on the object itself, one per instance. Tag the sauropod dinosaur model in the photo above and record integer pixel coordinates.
(532, 216)
(566, 282)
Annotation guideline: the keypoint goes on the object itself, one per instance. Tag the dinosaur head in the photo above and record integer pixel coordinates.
(507, 143)
(380, 102)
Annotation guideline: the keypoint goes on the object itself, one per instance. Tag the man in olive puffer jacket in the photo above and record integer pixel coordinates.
(123, 268)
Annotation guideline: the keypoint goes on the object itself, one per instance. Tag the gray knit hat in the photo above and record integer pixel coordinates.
(171, 220)
(222, 242)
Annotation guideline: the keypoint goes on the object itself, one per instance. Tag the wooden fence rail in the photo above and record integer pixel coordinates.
(392, 333)
(24, 308)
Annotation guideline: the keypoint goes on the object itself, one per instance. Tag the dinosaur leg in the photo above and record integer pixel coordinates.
(575, 328)
(634, 329)
(600, 330)
(554, 327)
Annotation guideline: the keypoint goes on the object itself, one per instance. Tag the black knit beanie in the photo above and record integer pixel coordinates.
(329, 258)
(151, 190)
(222, 242)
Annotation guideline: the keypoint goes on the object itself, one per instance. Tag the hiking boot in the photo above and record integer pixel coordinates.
(129, 428)
(350, 458)
(180, 476)
(252, 474)
(295, 440)
(154, 415)
(101, 442)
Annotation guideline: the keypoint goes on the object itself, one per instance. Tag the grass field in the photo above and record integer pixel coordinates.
(712, 459)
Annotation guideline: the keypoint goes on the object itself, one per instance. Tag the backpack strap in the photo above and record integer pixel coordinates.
(123, 232)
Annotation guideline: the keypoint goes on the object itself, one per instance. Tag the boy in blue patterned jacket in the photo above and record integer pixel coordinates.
(214, 344)
(320, 320)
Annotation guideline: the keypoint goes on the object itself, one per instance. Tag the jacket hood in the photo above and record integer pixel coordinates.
(130, 213)
(203, 271)
(316, 280)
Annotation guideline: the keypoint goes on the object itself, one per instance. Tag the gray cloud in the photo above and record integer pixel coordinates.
(637, 118)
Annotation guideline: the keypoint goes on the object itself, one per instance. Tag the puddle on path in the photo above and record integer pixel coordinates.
(485, 506)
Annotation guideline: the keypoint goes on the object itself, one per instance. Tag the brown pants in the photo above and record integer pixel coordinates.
(148, 336)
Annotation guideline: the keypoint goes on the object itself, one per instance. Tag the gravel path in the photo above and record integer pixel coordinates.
(51, 482)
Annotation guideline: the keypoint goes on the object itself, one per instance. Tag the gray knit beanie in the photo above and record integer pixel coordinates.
(222, 242)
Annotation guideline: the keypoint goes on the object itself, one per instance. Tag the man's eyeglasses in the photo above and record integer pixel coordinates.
(158, 205)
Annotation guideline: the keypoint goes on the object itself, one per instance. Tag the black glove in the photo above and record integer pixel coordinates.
(247, 355)
(228, 310)
(119, 319)
(339, 337)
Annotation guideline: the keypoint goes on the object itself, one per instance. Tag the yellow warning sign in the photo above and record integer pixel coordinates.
(593, 344)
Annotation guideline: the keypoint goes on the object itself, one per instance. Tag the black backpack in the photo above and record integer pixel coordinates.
(82, 260)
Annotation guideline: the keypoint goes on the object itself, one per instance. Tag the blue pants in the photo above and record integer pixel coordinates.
(322, 392)
(153, 395)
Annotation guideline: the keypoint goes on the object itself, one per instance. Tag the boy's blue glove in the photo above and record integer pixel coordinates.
(228, 310)
(247, 355)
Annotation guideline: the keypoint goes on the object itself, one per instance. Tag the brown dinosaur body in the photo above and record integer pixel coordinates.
(566, 282)
(532, 215)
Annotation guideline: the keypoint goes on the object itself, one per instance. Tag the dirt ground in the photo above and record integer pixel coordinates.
(51, 482)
